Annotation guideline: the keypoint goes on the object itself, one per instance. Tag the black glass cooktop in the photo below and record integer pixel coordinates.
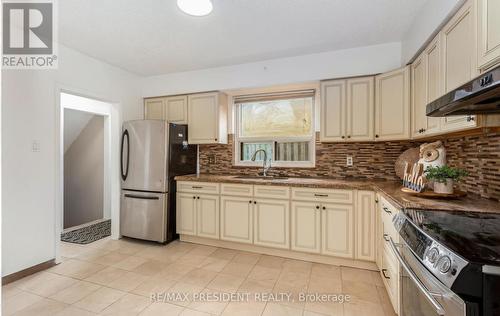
(473, 236)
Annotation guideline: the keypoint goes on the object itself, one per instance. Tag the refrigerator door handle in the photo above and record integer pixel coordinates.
(142, 197)
(125, 173)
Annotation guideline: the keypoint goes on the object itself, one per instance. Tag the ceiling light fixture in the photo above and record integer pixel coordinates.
(195, 7)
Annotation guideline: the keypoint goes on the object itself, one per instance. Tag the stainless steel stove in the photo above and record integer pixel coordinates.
(450, 262)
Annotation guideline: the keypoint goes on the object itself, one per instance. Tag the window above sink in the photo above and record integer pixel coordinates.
(282, 124)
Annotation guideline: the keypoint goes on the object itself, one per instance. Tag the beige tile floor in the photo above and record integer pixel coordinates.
(117, 277)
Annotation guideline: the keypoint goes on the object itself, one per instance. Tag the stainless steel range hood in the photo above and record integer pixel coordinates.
(479, 96)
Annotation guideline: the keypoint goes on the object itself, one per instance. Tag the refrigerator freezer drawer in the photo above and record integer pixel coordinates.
(143, 215)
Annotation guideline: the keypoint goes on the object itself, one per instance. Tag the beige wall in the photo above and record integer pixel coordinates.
(84, 175)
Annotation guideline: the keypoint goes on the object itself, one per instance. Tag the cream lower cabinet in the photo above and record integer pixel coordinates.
(198, 215)
(271, 223)
(207, 211)
(306, 227)
(186, 214)
(365, 218)
(236, 216)
(337, 230)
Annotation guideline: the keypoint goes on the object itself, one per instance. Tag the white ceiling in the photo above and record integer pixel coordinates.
(151, 37)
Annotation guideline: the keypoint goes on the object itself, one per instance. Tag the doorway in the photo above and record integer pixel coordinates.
(83, 177)
(86, 206)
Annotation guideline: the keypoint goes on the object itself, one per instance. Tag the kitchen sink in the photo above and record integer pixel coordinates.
(262, 177)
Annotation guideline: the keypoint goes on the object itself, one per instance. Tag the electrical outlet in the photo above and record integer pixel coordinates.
(349, 161)
(35, 146)
(212, 159)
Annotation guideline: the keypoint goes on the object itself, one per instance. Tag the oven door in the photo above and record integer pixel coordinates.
(423, 294)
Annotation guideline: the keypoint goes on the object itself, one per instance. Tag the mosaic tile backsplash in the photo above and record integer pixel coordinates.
(479, 155)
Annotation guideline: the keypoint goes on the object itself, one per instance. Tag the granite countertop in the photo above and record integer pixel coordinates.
(390, 189)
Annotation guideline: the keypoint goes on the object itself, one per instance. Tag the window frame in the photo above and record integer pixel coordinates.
(311, 163)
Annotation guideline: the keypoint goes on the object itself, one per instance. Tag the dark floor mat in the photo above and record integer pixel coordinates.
(88, 234)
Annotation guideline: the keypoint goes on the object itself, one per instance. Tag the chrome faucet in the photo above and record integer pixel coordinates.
(264, 167)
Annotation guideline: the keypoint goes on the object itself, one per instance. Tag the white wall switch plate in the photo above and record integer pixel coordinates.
(349, 161)
(35, 146)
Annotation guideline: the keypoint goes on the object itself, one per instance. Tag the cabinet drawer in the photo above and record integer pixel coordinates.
(387, 212)
(236, 189)
(322, 195)
(271, 191)
(198, 187)
(390, 276)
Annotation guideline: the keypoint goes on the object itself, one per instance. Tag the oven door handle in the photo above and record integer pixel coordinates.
(439, 309)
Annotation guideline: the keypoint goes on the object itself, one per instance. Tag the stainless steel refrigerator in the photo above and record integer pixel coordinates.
(153, 152)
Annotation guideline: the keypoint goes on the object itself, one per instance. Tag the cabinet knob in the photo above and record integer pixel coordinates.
(348, 136)
(470, 118)
(198, 197)
(324, 207)
(216, 139)
(254, 202)
(376, 136)
(383, 273)
(317, 207)
(194, 197)
(343, 137)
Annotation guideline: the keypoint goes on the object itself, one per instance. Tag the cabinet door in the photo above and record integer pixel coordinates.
(434, 81)
(360, 109)
(236, 219)
(176, 109)
(365, 226)
(392, 105)
(272, 223)
(207, 208)
(338, 230)
(154, 109)
(186, 214)
(458, 39)
(333, 111)
(418, 96)
(207, 118)
(488, 33)
(306, 227)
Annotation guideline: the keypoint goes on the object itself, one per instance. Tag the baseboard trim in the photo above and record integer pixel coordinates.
(29, 271)
(281, 253)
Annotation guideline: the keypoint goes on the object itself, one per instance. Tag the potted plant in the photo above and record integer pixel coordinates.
(444, 177)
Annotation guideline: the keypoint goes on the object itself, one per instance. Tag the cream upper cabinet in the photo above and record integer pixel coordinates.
(365, 219)
(392, 105)
(418, 96)
(176, 109)
(236, 218)
(347, 110)
(333, 111)
(306, 227)
(337, 230)
(488, 27)
(186, 214)
(154, 109)
(207, 209)
(432, 55)
(360, 109)
(271, 223)
(458, 39)
(207, 118)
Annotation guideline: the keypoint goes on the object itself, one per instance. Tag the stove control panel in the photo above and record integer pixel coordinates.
(440, 261)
